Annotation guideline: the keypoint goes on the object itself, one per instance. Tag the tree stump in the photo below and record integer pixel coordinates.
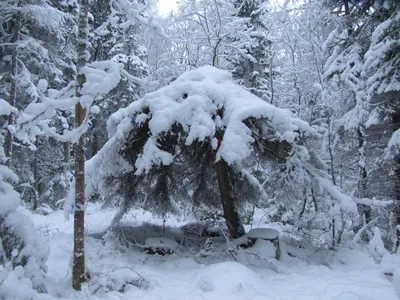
(266, 234)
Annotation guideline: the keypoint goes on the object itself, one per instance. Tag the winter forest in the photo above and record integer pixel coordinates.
(222, 149)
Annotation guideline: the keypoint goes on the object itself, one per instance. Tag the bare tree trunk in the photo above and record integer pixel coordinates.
(271, 77)
(231, 215)
(36, 176)
(13, 91)
(362, 188)
(331, 158)
(78, 267)
(66, 155)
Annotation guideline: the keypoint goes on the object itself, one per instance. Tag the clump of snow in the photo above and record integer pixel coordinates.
(6, 108)
(42, 85)
(95, 109)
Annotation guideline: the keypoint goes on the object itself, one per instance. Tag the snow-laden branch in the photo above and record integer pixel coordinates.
(5, 108)
(373, 202)
(101, 78)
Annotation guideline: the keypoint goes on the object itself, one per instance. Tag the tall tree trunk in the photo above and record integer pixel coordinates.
(362, 188)
(331, 158)
(36, 176)
(231, 215)
(13, 90)
(66, 155)
(78, 267)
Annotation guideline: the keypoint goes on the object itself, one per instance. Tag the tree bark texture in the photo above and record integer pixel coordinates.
(362, 187)
(78, 267)
(231, 215)
(66, 155)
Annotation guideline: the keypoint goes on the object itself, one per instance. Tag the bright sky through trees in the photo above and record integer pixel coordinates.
(165, 6)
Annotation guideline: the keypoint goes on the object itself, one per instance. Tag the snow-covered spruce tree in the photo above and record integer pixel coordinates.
(33, 62)
(347, 76)
(251, 62)
(343, 69)
(23, 251)
(114, 35)
(173, 145)
(381, 68)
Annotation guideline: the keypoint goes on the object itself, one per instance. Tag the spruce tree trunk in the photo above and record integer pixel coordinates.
(231, 215)
(13, 91)
(78, 267)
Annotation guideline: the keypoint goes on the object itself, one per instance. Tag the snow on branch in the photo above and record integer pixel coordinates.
(133, 12)
(6, 108)
(374, 202)
(101, 78)
(346, 202)
(44, 15)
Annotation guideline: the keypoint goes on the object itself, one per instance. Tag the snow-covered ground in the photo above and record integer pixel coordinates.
(118, 274)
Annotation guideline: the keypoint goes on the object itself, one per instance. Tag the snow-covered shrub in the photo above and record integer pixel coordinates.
(23, 251)
(376, 246)
(57, 188)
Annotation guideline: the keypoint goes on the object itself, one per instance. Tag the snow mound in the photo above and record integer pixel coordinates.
(233, 279)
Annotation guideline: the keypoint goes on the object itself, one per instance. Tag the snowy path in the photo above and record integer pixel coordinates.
(351, 275)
